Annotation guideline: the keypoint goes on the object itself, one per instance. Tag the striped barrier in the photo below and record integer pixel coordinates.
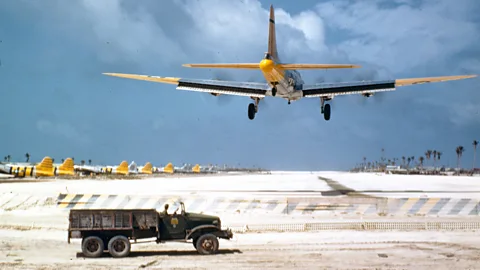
(317, 206)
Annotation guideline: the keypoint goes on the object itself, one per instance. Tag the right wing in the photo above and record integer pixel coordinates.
(364, 87)
(249, 89)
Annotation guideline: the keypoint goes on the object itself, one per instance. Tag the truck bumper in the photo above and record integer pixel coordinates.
(225, 234)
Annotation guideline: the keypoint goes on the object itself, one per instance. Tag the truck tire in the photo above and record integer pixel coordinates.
(119, 246)
(207, 244)
(92, 247)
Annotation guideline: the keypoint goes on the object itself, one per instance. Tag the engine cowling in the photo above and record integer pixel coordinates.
(367, 94)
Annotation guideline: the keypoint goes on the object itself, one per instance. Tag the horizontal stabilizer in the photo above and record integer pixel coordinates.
(404, 82)
(315, 66)
(229, 65)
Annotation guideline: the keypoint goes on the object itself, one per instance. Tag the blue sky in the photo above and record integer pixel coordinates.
(56, 102)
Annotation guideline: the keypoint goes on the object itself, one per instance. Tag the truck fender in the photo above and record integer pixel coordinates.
(201, 227)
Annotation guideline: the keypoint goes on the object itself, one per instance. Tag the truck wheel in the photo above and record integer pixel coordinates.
(207, 244)
(119, 246)
(92, 246)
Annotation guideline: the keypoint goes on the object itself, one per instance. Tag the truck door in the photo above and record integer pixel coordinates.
(175, 225)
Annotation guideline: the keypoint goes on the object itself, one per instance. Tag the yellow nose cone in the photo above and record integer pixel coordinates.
(266, 65)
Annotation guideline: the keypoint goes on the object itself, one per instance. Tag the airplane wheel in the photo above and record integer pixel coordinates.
(251, 111)
(326, 112)
(274, 92)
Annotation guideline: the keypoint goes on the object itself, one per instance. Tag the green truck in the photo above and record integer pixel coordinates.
(113, 230)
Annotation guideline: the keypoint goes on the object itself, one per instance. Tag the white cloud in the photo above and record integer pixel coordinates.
(403, 37)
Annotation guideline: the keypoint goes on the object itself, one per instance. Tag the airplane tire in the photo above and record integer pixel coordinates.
(326, 112)
(251, 111)
(274, 92)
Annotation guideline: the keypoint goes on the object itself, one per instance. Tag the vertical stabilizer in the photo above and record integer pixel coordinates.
(122, 168)
(147, 169)
(168, 168)
(45, 167)
(196, 168)
(66, 168)
(272, 40)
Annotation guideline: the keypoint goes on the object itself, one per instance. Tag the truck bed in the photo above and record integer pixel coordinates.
(82, 221)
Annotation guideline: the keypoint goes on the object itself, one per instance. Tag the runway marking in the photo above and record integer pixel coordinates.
(438, 206)
(459, 206)
(431, 202)
(420, 202)
(475, 211)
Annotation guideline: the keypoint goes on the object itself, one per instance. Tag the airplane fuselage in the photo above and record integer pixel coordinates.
(287, 83)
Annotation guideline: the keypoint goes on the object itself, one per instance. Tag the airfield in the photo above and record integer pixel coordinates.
(279, 219)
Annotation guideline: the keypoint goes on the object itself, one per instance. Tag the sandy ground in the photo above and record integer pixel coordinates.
(333, 249)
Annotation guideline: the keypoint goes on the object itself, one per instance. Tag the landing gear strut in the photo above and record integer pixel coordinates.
(253, 108)
(325, 108)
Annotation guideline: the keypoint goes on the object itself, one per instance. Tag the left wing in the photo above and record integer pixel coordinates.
(364, 87)
(249, 89)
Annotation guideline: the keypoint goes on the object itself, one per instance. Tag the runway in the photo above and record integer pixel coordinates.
(288, 219)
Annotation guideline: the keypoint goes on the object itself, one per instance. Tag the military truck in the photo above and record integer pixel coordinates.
(113, 230)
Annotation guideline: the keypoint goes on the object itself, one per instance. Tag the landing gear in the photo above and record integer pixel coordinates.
(274, 91)
(325, 108)
(253, 109)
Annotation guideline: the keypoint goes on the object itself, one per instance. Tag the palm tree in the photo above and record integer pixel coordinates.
(439, 154)
(8, 158)
(475, 143)
(63, 160)
(459, 152)
(434, 157)
(421, 159)
(428, 154)
(27, 156)
(403, 160)
(82, 162)
(89, 162)
(5, 158)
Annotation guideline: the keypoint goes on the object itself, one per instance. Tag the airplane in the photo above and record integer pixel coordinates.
(283, 80)
(120, 169)
(44, 168)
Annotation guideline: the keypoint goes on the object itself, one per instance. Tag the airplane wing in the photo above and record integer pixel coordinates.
(249, 89)
(364, 87)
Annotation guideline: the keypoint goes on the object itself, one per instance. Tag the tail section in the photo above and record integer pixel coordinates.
(169, 168)
(66, 168)
(272, 39)
(196, 168)
(122, 168)
(45, 167)
(147, 169)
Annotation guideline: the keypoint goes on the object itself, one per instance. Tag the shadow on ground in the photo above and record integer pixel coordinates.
(166, 253)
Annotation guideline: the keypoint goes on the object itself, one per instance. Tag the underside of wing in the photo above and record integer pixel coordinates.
(250, 89)
(405, 82)
(315, 66)
(368, 87)
(225, 65)
(217, 87)
(347, 88)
